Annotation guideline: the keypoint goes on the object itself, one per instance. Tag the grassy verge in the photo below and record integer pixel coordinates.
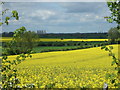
(57, 48)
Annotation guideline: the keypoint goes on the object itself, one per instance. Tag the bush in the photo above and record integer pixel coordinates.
(22, 42)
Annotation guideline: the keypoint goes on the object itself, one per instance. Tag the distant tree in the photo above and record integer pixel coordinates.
(113, 34)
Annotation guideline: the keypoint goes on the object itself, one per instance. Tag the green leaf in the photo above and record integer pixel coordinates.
(114, 58)
(113, 62)
(106, 17)
(106, 49)
(1, 23)
(15, 14)
(110, 20)
(111, 47)
(117, 68)
(7, 18)
(113, 81)
(6, 22)
(14, 61)
(30, 56)
(17, 18)
(4, 57)
(109, 4)
(22, 55)
(103, 47)
(111, 54)
(17, 58)
(15, 70)
(107, 76)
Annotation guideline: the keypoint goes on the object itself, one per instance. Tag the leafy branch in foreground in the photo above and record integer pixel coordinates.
(9, 71)
(115, 78)
(114, 7)
(7, 18)
(9, 67)
(14, 15)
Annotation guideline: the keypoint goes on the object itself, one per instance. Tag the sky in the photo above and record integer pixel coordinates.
(59, 17)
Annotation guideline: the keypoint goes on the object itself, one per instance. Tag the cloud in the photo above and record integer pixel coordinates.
(60, 17)
(43, 14)
(83, 7)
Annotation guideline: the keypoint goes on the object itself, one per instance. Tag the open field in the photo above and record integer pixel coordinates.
(67, 69)
(5, 39)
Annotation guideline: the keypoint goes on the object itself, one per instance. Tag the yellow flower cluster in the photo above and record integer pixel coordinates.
(5, 39)
(67, 69)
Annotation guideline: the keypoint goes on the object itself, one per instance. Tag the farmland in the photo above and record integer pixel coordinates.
(67, 69)
(5, 39)
(60, 45)
(47, 44)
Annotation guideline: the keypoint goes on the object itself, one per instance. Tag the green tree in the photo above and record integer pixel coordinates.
(23, 42)
(113, 34)
(29, 40)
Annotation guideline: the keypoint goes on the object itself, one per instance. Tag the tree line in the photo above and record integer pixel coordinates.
(66, 35)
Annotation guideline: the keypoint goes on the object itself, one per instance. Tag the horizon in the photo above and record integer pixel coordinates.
(61, 33)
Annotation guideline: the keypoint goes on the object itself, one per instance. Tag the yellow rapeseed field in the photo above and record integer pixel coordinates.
(45, 39)
(67, 69)
(5, 39)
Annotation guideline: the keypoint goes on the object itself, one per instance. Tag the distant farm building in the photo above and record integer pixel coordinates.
(41, 31)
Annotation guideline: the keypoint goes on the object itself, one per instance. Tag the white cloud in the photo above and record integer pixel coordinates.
(43, 14)
(11, 21)
(15, 21)
(98, 17)
(89, 17)
(54, 17)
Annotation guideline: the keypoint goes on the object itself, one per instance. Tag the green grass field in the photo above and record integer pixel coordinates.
(45, 48)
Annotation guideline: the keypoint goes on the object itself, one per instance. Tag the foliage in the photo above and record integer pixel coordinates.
(65, 46)
(8, 69)
(63, 36)
(72, 43)
(115, 79)
(75, 35)
(59, 46)
(14, 15)
(28, 40)
(113, 34)
(23, 42)
(114, 7)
